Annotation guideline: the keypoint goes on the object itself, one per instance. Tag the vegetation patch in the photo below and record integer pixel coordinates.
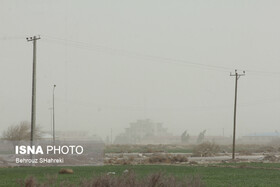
(128, 179)
(206, 149)
(209, 176)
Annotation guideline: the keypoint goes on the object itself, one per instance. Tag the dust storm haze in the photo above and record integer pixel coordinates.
(116, 62)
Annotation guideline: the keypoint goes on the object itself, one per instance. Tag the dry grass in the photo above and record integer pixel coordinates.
(167, 158)
(126, 180)
(156, 158)
(150, 148)
(243, 149)
(31, 181)
(267, 149)
(206, 149)
(131, 180)
(271, 158)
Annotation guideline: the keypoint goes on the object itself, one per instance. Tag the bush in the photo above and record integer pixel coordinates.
(206, 149)
(21, 132)
(267, 148)
(167, 158)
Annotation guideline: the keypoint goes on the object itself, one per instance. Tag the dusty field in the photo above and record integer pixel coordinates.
(184, 159)
(189, 154)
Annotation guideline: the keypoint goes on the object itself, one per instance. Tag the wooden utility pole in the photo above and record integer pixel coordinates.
(237, 76)
(33, 105)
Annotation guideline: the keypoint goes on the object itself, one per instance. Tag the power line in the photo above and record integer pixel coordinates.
(121, 52)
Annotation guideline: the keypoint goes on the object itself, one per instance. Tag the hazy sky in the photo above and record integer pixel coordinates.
(118, 61)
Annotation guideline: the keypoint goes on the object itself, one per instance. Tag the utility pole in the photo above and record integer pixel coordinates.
(237, 76)
(33, 105)
(53, 117)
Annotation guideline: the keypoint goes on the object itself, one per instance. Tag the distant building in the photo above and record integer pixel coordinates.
(143, 132)
(259, 138)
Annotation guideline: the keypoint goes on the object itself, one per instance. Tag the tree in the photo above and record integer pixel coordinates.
(20, 132)
(185, 137)
(200, 137)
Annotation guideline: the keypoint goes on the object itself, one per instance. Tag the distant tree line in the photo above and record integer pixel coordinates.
(185, 137)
